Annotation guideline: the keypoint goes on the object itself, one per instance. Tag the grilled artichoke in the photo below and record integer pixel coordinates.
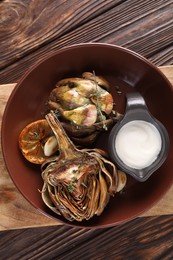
(84, 105)
(77, 183)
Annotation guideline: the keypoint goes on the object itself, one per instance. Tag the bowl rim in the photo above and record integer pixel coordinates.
(5, 114)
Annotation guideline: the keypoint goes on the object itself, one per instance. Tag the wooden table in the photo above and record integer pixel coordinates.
(28, 31)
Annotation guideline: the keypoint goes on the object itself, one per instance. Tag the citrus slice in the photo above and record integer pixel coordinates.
(32, 140)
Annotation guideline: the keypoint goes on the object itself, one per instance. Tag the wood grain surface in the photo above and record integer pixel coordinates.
(146, 238)
(29, 30)
(142, 26)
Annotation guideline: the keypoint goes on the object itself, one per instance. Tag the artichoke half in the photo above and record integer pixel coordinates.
(77, 183)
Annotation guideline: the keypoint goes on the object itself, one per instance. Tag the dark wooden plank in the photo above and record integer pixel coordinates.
(146, 29)
(28, 25)
(163, 57)
(150, 238)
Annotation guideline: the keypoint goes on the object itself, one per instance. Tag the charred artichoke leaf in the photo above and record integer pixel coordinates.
(47, 198)
(58, 91)
(103, 100)
(85, 115)
(76, 183)
(69, 99)
(83, 130)
(122, 180)
(84, 87)
(104, 195)
(86, 140)
(111, 182)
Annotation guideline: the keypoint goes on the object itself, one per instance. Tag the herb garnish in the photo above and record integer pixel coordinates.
(97, 92)
(83, 184)
(71, 187)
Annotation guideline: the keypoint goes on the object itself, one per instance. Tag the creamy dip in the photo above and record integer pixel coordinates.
(138, 144)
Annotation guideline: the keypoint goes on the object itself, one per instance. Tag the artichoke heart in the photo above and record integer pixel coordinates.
(84, 86)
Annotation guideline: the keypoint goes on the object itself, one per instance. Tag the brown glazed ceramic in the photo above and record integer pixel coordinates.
(121, 67)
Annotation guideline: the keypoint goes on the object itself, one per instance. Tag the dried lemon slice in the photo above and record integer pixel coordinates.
(32, 140)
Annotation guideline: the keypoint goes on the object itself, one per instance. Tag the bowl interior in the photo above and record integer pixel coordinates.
(122, 68)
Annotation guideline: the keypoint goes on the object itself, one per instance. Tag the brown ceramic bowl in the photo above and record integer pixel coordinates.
(121, 67)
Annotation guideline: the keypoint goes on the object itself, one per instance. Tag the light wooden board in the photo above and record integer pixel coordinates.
(15, 210)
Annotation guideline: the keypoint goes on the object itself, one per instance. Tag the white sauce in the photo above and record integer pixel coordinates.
(138, 144)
